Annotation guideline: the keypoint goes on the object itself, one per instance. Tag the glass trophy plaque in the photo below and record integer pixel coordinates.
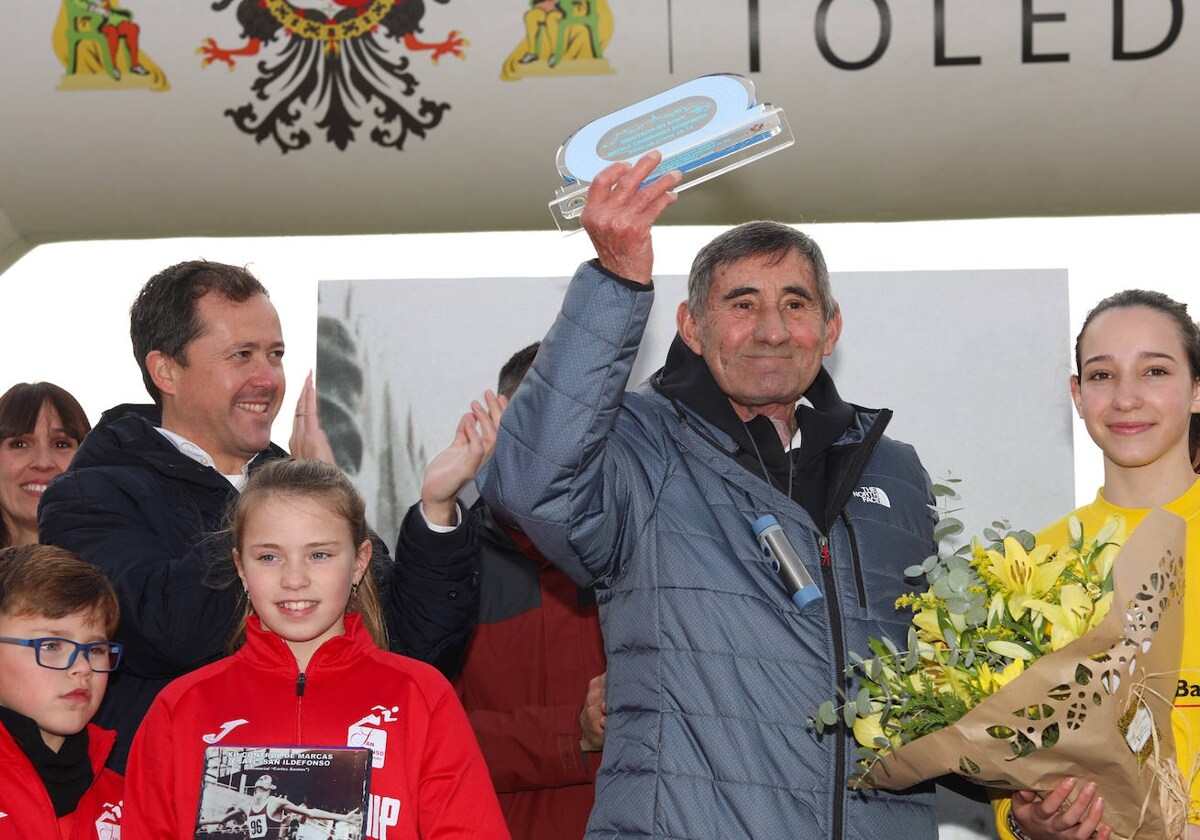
(703, 128)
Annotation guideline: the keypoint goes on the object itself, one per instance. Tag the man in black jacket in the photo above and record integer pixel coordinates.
(145, 496)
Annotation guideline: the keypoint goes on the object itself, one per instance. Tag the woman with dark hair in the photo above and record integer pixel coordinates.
(41, 426)
(1137, 388)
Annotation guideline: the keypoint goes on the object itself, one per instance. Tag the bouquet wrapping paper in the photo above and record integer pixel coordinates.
(1098, 709)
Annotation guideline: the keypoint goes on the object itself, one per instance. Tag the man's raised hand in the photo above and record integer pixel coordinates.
(618, 216)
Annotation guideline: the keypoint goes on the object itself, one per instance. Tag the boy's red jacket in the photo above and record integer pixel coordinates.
(431, 782)
(25, 809)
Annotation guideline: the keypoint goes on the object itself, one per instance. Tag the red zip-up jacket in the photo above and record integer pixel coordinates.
(25, 809)
(431, 783)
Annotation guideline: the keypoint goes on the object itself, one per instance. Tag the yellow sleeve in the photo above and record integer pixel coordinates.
(1002, 807)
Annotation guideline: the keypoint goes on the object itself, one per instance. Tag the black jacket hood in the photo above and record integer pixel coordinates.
(685, 379)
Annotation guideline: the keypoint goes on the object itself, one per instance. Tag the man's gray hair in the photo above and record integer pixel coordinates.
(753, 239)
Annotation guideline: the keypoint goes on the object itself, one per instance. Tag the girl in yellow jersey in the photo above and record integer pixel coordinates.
(1137, 389)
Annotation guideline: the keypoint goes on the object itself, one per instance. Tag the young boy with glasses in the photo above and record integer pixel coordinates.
(57, 613)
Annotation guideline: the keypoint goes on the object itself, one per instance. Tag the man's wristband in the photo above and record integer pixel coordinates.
(1016, 829)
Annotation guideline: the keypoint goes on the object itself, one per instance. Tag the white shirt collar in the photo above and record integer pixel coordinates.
(795, 444)
(191, 450)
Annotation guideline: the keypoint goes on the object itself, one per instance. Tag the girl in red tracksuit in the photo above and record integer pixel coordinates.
(310, 671)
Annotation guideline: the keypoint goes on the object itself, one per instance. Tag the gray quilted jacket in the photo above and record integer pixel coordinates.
(712, 672)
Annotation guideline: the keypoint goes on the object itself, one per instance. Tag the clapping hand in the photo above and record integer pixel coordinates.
(454, 466)
(308, 439)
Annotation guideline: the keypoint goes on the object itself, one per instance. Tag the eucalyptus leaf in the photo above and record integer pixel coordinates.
(947, 528)
(958, 579)
(849, 713)
(863, 702)
(826, 714)
(958, 605)
(977, 615)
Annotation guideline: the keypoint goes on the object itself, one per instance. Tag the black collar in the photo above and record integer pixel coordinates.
(685, 378)
(66, 774)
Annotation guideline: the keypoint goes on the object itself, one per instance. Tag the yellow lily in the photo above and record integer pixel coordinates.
(987, 682)
(931, 628)
(991, 682)
(1073, 616)
(1012, 650)
(927, 622)
(1026, 575)
(1113, 533)
(947, 679)
(867, 729)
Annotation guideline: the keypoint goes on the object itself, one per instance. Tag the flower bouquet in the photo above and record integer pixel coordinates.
(1027, 663)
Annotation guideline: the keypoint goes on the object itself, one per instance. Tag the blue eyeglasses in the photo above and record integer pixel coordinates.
(60, 654)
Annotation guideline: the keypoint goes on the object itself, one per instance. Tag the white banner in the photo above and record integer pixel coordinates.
(300, 117)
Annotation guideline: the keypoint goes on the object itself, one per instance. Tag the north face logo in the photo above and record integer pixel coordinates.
(873, 495)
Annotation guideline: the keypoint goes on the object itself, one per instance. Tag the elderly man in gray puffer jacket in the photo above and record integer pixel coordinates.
(651, 496)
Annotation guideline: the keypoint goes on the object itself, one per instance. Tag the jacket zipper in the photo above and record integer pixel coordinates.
(839, 667)
(837, 507)
(300, 680)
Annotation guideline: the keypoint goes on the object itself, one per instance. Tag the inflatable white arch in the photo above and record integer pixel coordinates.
(370, 116)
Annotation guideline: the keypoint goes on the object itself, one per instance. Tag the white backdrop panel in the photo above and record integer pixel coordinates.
(970, 361)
